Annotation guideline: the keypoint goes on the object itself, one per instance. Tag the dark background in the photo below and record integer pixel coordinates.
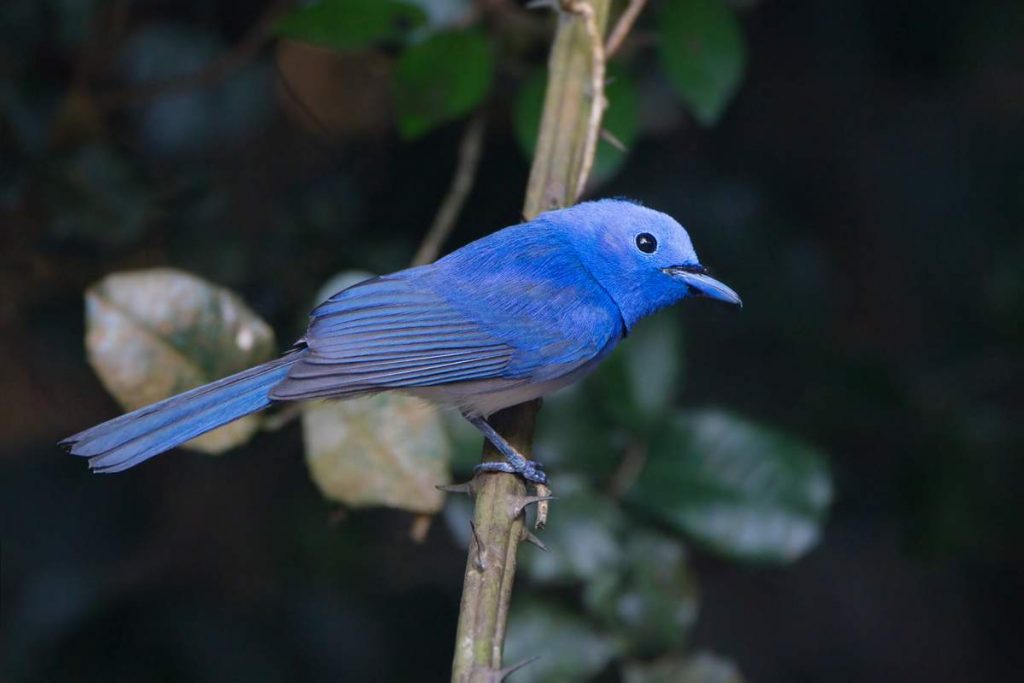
(864, 193)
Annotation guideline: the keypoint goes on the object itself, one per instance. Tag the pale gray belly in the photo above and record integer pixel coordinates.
(485, 397)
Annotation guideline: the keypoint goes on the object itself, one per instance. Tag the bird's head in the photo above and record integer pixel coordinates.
(643, 258)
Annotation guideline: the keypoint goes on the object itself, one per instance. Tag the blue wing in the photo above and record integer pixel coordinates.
(386, 334)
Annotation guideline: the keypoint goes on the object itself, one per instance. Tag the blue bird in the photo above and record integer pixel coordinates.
(505, 319)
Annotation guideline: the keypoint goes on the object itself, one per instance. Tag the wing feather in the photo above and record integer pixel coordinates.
(384, 334)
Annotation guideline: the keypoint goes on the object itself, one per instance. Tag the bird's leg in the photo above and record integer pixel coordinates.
(515, 462)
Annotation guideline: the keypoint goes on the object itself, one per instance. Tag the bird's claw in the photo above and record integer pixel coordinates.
(528, 470)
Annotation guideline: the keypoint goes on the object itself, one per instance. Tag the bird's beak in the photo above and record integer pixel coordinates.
(701, 284)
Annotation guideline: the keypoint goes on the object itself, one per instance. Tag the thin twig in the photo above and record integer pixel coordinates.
(633, 460)
(623, 26)
(610, 138)
(462, 183)
(598, 103)
(220, 68)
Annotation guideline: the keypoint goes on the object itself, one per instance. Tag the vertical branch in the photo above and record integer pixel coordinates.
(573, 106)
(570, 125)
(498, 526)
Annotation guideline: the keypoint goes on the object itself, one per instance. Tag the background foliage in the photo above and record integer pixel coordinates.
(852, 168)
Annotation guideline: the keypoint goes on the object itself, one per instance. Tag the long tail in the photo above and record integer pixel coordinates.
(139, 435)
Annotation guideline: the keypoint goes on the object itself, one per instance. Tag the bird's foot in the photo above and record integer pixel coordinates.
(527, 469)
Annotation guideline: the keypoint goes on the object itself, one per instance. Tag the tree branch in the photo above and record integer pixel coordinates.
(568, 134)
(623, 26)
(570, 124)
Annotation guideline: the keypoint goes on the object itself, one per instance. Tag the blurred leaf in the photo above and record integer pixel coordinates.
(570, 649)
(96, 194)
(458, 513)
(337, 94)
(26, 119)
(74, 19)
(742, 490)
(445, 13)
(441, 79)
(620, 119)
(652, 604)
(643, 376)
(154, 333)
(568, 436)
(582, 536)
(703, 53)
(197, 119)
(351, 24)
(386, 449)
(23, 27)
(702, 667)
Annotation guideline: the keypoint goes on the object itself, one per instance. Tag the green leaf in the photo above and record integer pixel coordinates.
(570, 648)
(350, 24)
(154, 333)
(620, 119)
(638, 384)
(441, 79)
(652, 603)
(387, 449)
(582, 537)
(740, 489)
(702, 667)
(570, 438)
(704, 54)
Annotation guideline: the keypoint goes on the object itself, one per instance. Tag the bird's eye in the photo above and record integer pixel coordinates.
(646, 243)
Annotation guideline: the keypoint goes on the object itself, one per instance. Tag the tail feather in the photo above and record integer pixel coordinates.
(139, 435)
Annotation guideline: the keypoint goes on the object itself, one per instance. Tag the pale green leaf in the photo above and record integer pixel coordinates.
(386, 449)
(154, 333)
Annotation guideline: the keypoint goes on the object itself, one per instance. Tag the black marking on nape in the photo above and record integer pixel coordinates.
(628, 200)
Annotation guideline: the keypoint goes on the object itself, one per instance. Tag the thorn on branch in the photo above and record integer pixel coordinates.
(502, 674)
(480, 550)
(531, 538)
(467, 487)
(610, 138)
(623, 26)
(521, 503)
